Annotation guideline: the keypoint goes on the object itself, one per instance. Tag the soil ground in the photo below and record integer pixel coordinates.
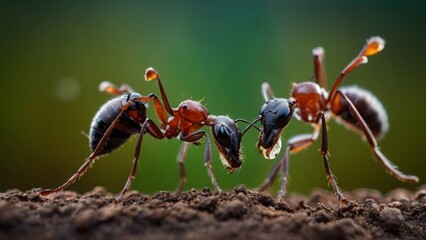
(199, 214)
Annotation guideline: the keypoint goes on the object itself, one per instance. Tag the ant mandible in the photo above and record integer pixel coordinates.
(353, 107)
(125, 115)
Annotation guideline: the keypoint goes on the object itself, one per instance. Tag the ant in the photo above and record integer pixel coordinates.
(353, 107)
(125, 115)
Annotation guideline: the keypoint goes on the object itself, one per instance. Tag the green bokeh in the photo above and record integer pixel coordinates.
(54, 54)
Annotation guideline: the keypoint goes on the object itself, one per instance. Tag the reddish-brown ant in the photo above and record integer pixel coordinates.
(125, 115)
(354, 107)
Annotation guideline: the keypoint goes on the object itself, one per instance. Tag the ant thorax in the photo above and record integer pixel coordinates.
(187, 118)
(310, 100)
(192, 111)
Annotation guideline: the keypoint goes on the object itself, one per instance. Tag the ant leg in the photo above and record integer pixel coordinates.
(72, 179)
(182, 172)
(324, 154)
(267, 92)
(207, 154)
(158, 107)
(110, 88)
(150, 74)
(391, 168)
(295, 144)
(208, 164)
(149, 126)
(318, 54)
(373, 46)
(95, 154)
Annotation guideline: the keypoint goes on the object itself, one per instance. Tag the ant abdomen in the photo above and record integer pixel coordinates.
(128, 124)
(369, 107)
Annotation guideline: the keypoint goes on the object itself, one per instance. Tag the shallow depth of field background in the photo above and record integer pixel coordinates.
(53, 55)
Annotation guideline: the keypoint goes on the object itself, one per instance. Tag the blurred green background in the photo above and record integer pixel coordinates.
(54, 54)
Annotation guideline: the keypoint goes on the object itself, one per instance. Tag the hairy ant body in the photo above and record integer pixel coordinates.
(125, 115)
(354, 107)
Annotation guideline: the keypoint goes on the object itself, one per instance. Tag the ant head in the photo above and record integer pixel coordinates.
(227, 137)
(274, 116)
(192, 111)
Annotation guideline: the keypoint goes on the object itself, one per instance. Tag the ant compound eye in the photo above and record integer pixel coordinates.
(185, 106)
(222, 135)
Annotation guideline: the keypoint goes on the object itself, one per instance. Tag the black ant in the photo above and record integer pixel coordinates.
(353, 107)
(125, 115)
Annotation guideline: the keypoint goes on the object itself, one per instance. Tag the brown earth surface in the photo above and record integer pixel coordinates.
(239, 214)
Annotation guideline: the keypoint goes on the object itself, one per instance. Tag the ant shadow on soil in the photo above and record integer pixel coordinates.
(238, 214)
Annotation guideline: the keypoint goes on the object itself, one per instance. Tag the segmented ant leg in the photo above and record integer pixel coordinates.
(207, 154)
(151, 74)
(388, 165)
(284, 173)
(373, 46)
(325, 154)
(182, 172)
(158, 108)
(294, 144)
(208, 164)
(72, 179)
(147, 126)
(110, 88)
(267, 92)
(318, 54)
(95, 154)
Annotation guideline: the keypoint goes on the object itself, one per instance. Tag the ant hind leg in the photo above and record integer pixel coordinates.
(386, 163)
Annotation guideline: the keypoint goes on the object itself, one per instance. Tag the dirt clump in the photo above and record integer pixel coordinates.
(239, 214)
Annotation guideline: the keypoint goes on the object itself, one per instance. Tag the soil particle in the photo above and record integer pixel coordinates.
(238, 214)
(391, 218)
(233, 209)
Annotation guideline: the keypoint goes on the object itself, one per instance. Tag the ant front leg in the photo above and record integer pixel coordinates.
(391, 168)
(295, 144)
(207, 155)
(324, 154)
(150, 127)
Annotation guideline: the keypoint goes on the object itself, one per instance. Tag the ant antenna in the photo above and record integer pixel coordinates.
(251, 124)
